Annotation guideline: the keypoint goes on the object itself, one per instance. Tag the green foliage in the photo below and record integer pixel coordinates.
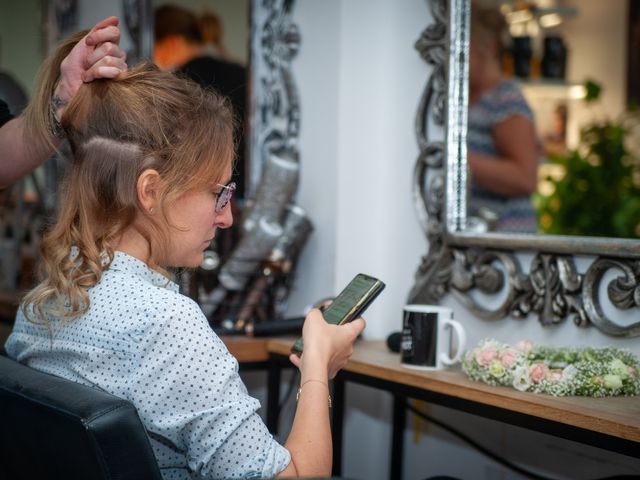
(599, 194)
(593, 90)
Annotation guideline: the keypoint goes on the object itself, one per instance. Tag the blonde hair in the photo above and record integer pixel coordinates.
(488, 26)
(37, 129)
(143, 119)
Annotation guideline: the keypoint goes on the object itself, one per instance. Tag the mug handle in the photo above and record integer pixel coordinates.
(462, 343)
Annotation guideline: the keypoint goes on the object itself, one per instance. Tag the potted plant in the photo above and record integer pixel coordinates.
(599, 192)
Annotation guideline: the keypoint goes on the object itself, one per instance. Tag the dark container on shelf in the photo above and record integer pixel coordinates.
(521, 51)
(554, 60)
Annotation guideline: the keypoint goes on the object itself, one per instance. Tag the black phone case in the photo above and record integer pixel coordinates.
(353, 314)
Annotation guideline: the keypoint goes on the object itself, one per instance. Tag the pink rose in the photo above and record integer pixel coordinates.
(537, 372)
(486, 355)
(524, 346)
(632, 372)
(508, 358)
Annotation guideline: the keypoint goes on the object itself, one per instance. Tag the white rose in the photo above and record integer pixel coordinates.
(521, 380)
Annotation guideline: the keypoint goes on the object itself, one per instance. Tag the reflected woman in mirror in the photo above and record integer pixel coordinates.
(502, 144)
(148, 189)
(179, 45)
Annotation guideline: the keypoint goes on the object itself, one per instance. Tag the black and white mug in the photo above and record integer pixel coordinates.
(427, 332)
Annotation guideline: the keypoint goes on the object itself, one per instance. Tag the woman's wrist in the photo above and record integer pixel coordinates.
(316, 382)
(313, 367)
(56, 107)
(59, 100)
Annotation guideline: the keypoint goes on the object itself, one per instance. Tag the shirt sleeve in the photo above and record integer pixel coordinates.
(5, 114)
(509, 102)
(188, 392)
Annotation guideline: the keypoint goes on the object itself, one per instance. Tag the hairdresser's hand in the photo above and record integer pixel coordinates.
(327, 348)
(97, 55)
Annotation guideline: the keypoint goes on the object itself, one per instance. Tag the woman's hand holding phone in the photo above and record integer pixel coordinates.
(327, 347)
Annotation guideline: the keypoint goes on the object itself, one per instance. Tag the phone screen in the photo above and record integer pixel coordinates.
(350, 303)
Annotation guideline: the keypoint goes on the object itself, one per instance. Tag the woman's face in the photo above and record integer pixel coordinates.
(479, 57)
(475, 65)
(194, 222)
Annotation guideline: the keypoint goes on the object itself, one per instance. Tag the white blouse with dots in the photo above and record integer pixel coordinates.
(143, 341)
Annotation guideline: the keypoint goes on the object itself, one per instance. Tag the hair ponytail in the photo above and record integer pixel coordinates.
(37, 113)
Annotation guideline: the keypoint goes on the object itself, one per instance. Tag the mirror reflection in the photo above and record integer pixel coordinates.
(208, 41)
(552, 135)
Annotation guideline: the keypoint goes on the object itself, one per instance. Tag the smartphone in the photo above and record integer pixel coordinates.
(349, 304)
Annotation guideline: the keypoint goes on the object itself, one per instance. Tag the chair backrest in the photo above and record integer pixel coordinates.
(51, 427)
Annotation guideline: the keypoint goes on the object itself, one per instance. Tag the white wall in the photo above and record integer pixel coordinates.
(360, 80)
(604, 61)
(357, 82)
(358, 85)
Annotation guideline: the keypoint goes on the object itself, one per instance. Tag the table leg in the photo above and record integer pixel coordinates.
(397, 436)
(337, 422)
(273, 396)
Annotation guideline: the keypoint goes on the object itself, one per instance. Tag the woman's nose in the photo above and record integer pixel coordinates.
(224, 219)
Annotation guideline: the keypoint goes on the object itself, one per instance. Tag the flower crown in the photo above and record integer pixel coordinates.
(559, 371)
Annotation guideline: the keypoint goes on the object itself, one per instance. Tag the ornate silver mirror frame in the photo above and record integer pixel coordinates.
(275, 106)
(471, 265)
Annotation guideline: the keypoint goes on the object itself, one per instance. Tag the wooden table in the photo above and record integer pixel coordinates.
(247, 350)
(610, 423)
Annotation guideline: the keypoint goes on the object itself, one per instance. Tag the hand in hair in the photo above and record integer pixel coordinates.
(97, 55)
(26, 141)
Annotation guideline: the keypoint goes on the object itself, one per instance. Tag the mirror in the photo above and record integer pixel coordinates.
(484, 270)
(540, 64)
(208, 42)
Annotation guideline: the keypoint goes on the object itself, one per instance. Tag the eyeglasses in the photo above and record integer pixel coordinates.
(223, 197)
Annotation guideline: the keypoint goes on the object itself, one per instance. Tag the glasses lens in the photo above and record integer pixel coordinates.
(225, 196)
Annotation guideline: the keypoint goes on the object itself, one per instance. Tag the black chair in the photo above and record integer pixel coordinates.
(52, 428)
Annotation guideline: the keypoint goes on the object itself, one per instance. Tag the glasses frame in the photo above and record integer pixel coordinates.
(224, 196)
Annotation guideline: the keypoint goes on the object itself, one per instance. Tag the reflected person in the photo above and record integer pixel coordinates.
(179, 46)
(502, 143)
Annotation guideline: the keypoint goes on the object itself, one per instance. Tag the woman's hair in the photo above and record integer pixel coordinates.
(37, 119)
(170, 20)
(117, 128)
(488, 25)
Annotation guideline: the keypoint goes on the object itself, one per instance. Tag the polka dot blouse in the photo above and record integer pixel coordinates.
(143, 341)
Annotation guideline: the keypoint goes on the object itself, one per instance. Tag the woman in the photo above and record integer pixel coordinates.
(503, 148)
(148, 189)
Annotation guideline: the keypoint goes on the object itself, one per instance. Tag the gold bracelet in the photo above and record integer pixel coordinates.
(313, 380)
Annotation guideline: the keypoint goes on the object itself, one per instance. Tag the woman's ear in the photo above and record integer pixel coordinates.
(147, 189)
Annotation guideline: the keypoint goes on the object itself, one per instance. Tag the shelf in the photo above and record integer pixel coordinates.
(552, 89)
